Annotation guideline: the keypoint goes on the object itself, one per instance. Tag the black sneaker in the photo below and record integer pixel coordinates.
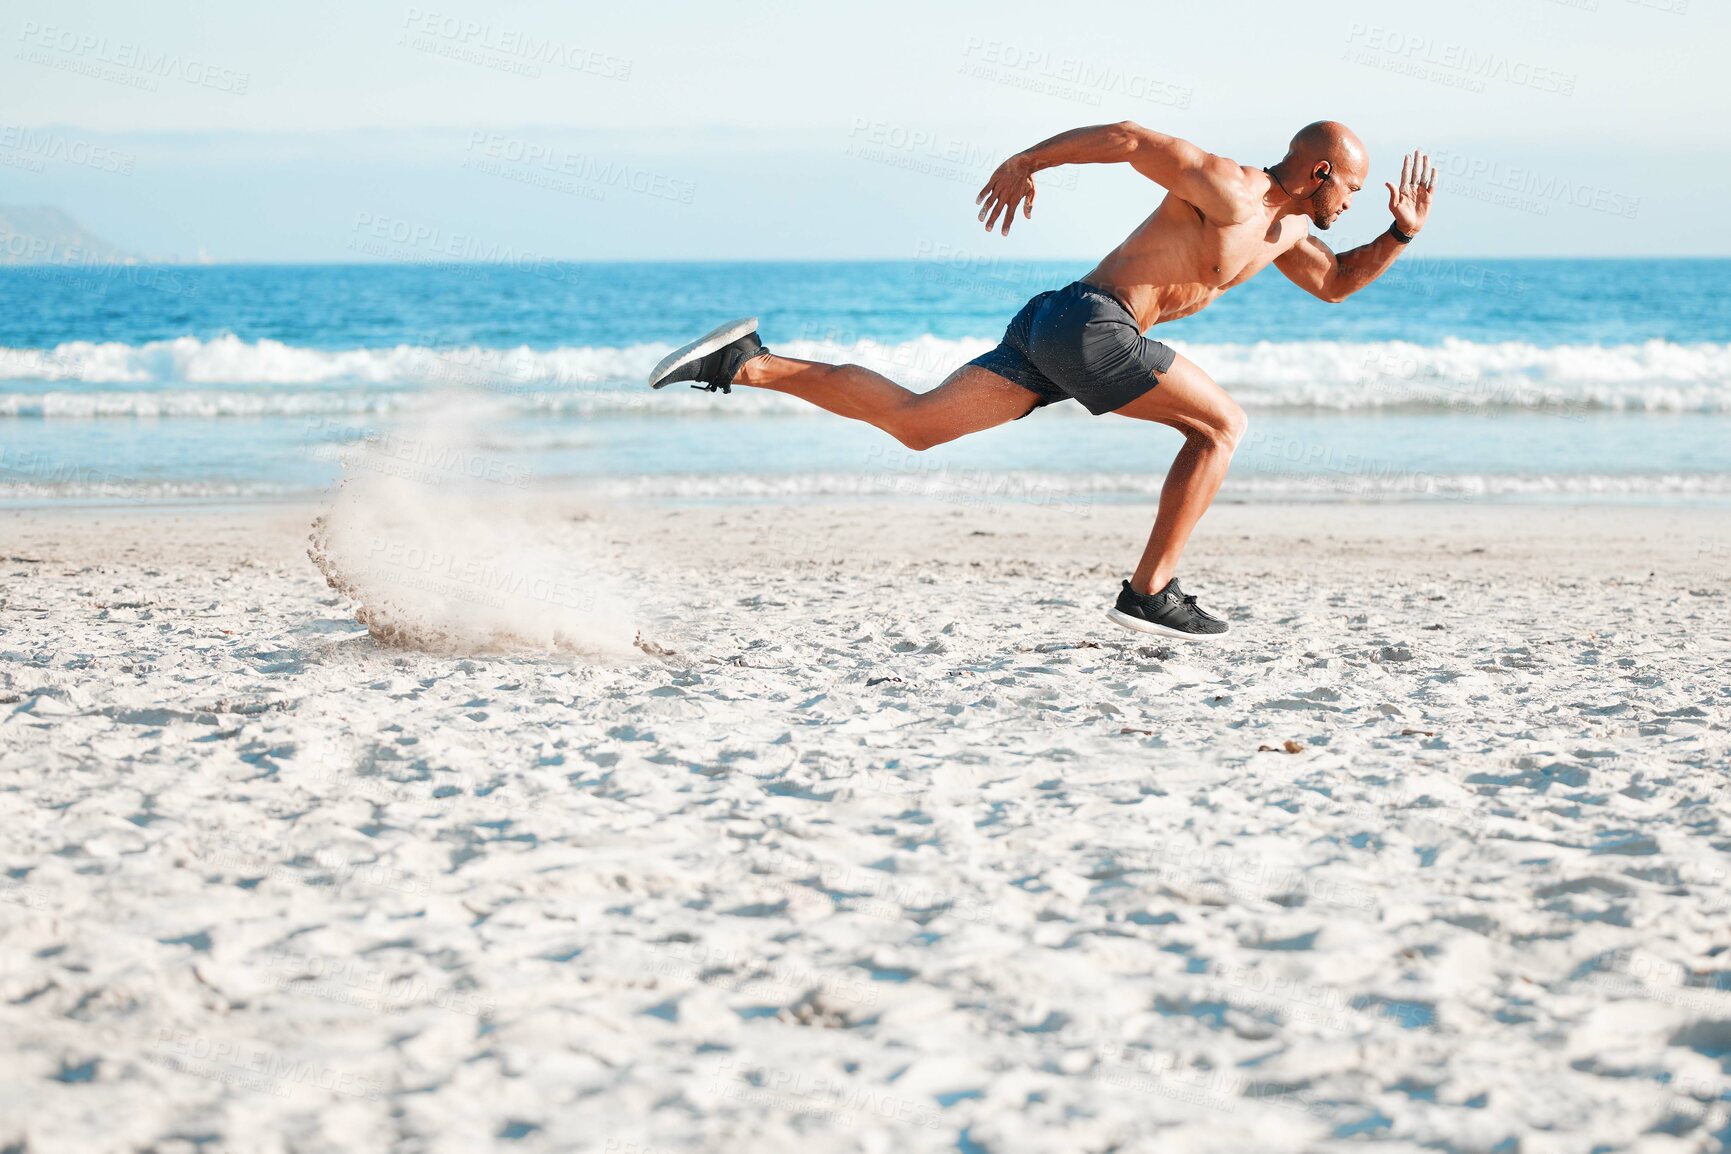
(1170, 613)
(712, 360)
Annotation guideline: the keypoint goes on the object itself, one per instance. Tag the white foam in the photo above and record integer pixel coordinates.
(205, 404)
(1345, 375)
(964, 487)
(102, 486)
(976, 486)
(230, 360)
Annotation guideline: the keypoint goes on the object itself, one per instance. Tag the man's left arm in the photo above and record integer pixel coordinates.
(1331, 276)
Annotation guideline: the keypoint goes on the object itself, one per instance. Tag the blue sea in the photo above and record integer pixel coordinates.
(1447, 379)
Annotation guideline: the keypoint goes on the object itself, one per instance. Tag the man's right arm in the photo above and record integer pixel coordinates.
(1212, 183)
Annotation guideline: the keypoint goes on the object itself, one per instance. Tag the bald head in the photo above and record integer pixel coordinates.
(1324, 165)
(1328, 140)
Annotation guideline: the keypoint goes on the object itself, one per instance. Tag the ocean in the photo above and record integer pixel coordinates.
(1503, 380)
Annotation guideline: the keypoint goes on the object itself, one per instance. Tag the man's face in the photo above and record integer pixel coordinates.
(1335, 196)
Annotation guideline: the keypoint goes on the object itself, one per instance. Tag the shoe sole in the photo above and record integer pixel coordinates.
(700, 348)
(1137, 625)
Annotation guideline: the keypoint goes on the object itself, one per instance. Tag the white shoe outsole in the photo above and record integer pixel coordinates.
(1140, 626)
(700, 348)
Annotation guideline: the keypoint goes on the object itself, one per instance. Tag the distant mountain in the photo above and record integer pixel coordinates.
(39, 234)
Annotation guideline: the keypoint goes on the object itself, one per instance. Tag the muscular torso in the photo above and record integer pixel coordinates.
(1177, 262)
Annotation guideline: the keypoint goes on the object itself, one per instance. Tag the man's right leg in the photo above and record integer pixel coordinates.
(970, 399)
(1186, 399)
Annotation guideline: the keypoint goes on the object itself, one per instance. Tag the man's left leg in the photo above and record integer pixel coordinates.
(969, 400)
(1188, 400)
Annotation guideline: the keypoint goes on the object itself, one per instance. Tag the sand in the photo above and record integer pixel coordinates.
(891, 843)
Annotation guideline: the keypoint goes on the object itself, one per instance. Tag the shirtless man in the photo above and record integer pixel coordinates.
(1219, 224)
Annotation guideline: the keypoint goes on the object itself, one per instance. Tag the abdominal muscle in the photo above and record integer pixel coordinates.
(1175, 265)
(1153, 303)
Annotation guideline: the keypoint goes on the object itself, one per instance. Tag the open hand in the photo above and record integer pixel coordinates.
(1410, 203)
(1011, 184)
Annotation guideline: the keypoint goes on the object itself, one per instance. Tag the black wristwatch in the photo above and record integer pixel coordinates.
(1399, 236)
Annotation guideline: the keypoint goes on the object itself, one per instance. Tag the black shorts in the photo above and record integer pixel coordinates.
(1078, 341)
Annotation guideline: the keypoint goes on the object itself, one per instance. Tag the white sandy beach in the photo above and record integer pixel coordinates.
(890, 844)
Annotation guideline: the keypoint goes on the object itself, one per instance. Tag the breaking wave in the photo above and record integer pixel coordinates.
(228, 377)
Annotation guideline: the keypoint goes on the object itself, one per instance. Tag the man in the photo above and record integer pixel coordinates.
(1219, 224)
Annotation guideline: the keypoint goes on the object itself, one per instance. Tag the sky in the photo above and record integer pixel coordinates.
(796, 129)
